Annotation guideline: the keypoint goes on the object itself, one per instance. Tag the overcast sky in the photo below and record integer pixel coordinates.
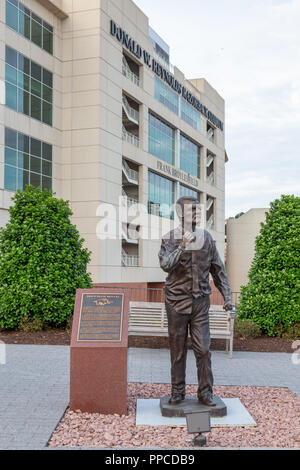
(249, 50)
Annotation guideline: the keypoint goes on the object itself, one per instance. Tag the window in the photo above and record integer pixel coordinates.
(26, 161)
(165, 95)
(24, 23)
(161, 49)
(189, 157)
(185, 191)
(190, 115)
(47, 37)
(161, 139)
(29, 25)
(160, 195)
(36, 30)
(11, 96)
(28, 87)
(12, 15)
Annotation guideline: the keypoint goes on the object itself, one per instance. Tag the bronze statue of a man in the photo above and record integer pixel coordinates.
(188, 254)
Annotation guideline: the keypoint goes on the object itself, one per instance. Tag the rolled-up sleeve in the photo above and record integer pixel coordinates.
(169, 259)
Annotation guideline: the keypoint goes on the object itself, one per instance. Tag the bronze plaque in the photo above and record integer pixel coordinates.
(101, 317)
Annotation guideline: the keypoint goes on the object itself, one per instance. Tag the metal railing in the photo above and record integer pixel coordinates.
(157, 294)
(131, 138)
(210, 178)
(126, 236)
(130, 260)
(154, 209)
(210, 223)
(129, 201)
(209, 203)
(209, 159)
(129, 172)
(210, 135)
(132, 113)
(160, 210)
(127, 72)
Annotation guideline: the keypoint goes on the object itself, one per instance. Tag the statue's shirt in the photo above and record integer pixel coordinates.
(188, 268)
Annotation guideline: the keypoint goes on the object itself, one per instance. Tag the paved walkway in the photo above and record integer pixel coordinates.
(34, 394)
(34, 384)
(245, 368)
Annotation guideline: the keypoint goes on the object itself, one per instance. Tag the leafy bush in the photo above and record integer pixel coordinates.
(42, 261)
(31, 324)
(271, 299)
(69, 323)
(291, 332)
(246, 329)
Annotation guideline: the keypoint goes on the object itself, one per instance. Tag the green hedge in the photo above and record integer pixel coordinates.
(246, 329)
(271, 298)
(42, 260)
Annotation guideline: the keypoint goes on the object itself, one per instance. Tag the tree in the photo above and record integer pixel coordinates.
(272, 296)
(42, 260)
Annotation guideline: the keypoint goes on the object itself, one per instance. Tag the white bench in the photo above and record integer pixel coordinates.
(150, 319)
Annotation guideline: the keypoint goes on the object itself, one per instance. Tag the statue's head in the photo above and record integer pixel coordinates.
(188, 210)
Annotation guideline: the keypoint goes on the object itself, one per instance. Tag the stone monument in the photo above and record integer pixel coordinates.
(99, 342)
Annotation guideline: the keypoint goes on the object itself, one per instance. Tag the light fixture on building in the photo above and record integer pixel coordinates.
(197, 423)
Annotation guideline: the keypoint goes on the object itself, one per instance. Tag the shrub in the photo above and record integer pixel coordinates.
(291, 332)
(271, 298)
(31, 324)
(246, 329)
(69, 323)
(42, 260)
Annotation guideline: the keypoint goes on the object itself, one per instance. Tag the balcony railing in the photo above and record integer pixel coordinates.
(127, 72)
(131, 175)
(126, 236)
(130, 260)
(131, 113)
(210, 134)
(210, 179)
(160, 210)
(131, 138)
(209, 203)
(210, 223)
(154, 209)
(130, 201)
(209, 160)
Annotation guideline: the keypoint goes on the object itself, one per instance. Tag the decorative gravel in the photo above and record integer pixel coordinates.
(275, 410)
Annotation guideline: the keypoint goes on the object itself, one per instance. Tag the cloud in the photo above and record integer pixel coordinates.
(249, 50)
(253, 190)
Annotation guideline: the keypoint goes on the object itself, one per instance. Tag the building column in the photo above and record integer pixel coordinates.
(203, 161)
(143, 199)
(203, 197)
(143, 127)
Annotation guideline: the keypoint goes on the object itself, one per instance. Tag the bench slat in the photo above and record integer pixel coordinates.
(151, 318)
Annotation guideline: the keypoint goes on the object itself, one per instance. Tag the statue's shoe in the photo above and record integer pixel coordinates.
(207, 400)
(176, 399)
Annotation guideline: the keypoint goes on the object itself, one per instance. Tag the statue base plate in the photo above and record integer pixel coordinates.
(191, 404)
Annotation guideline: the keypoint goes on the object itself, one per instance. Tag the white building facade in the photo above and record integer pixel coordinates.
(92, 108)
